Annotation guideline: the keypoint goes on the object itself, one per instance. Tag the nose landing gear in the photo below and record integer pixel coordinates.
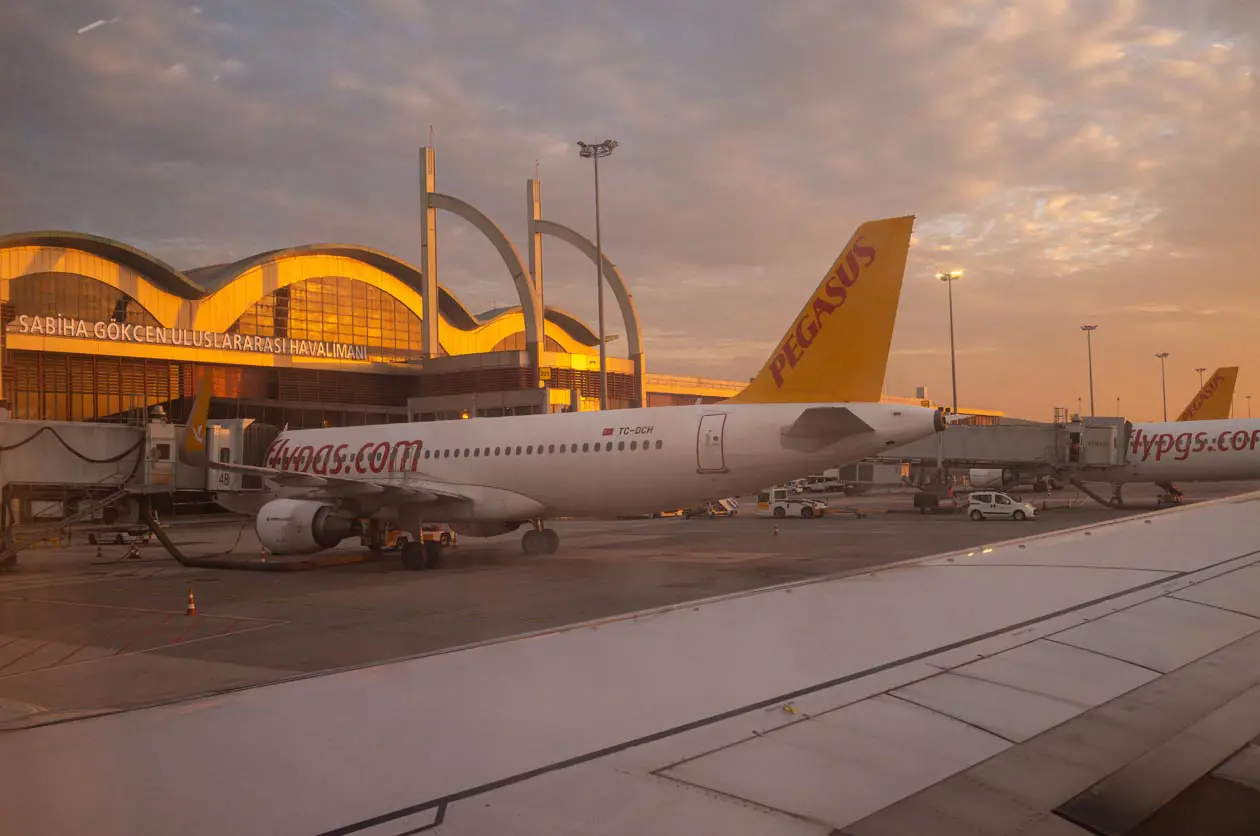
(540, 540)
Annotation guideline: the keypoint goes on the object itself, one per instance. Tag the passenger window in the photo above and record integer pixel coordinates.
(465, 452)
(477, 452)
(426, 453)
(562, 446)
(658, 444)
(457, 453)
(551, 448)
(1002, 500)
(634, 445)
(446, 454)
(507, 451)
(621, 445)
(608, 447)
(518, 449)
(586, 447)
(496, 450)
(529, 449)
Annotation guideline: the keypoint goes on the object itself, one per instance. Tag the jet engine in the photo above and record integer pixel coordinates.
(484, 529)
(302, 526)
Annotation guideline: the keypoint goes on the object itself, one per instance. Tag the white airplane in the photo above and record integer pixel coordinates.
(1213, 447)
(814, 403)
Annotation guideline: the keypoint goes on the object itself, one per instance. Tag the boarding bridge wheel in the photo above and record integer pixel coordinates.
(432, 554)
(413, 555)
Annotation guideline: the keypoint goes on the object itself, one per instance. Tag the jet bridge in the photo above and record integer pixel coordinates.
(1069, 449)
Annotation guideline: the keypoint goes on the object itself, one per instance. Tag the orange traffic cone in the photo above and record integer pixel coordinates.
(192, 604)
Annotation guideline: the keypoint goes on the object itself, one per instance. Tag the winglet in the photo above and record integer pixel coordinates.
(1214, 400)
(192, 443)
(837, 347)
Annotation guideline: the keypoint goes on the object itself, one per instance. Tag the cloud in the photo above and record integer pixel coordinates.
(1078, 160)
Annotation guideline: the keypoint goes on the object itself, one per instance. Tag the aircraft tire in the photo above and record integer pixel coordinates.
(531, 543)
(550, 541)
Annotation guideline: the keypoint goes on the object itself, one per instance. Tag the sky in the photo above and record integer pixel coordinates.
(1083, 161)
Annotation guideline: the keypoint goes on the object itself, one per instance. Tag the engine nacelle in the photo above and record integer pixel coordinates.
(484, 529)
(302, 526)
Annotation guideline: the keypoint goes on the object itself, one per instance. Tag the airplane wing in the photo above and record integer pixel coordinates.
(342, 487)
(192, 451)
(1057, 684)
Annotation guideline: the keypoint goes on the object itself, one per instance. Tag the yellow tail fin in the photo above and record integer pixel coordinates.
(192, 444)
(837, 349)
(1215, 398)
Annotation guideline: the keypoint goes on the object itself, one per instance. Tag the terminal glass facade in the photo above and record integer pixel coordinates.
(74, 297)
(339, 310)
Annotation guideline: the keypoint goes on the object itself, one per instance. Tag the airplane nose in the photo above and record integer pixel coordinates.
(938, 421)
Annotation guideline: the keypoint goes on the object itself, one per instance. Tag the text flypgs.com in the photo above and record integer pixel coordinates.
(375, 456)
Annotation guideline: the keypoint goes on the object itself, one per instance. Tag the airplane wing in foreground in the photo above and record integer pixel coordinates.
(1058, 684)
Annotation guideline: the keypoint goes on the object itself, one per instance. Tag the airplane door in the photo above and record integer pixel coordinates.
(709, 454)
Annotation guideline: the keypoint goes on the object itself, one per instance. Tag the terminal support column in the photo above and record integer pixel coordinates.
(428, 257)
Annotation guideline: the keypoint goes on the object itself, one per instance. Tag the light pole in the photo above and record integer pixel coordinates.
(1201, 370)
(594, 152)
(1163, 381)
(949, 279)
(1089, 347)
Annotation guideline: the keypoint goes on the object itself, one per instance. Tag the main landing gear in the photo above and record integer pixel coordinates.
(539, 540)
(1171, 495)
(425, 555)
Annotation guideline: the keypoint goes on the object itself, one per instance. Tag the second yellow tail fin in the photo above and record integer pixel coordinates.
(1214, 400)
(192, 442)
(837, 349)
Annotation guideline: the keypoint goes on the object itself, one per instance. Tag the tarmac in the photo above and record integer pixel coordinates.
(84, 630)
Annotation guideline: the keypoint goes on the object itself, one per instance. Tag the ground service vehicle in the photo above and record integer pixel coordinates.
(777, 502)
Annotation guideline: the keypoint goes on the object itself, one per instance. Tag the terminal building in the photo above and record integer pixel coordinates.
(308, 336)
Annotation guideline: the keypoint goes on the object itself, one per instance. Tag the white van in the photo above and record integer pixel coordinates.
(988, 505)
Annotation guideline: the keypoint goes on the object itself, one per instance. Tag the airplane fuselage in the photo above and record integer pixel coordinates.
(594, 463)
(1191, 451)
